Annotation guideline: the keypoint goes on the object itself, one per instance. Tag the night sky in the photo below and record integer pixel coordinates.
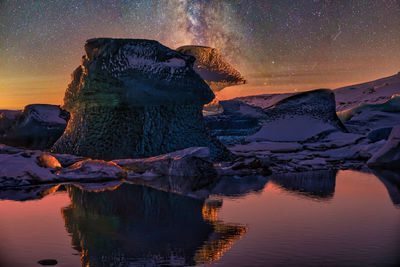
(279, 46)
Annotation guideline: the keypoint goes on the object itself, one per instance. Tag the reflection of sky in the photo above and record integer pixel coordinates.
(355, 225)
(277, 45)
(359, 226)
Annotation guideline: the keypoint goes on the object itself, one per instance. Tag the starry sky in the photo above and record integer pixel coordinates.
(278, 45)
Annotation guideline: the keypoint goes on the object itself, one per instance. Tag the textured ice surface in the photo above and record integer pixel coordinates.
(291, 128)
(303, 133)
(91, 169)
(274, 147)
(374, 92)
(134, 72)
(236, 121)
(30, 167)
(390, 106)
(389, 155)
(45, 113)
(367, 117)
(264, 100)
(299, 117)
(212, 67)
(134, 98)
(215, 71)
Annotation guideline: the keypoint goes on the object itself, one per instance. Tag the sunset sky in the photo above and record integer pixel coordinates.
(279, 46)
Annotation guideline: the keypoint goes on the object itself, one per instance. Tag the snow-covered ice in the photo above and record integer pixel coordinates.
(291, 128)
(389, 155)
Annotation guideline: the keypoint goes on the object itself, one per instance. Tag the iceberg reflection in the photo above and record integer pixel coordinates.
(391, 180)
(138, 225)
(316, 184)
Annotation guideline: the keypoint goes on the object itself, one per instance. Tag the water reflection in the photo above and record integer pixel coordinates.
(317, 185)
(28, 193)
(118, 223)
(189, 186)
(134, 224)
(239, 186)
(391, 180)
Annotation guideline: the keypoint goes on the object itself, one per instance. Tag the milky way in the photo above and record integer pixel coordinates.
(277, 45)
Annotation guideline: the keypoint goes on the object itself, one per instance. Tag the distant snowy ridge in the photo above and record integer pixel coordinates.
(374, 92)
(9, 114)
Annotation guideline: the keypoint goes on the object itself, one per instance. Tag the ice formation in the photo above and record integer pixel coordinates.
(133, 98)
(38, 126)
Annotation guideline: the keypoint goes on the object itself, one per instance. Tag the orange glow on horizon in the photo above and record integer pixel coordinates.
(17, 92)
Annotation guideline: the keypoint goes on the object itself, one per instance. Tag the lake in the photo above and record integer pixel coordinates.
(327, 218)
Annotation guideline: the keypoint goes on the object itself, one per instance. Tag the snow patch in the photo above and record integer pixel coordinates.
(91, 169)
(273, 147)
(389, 155)
(47, 113)
(291, 128)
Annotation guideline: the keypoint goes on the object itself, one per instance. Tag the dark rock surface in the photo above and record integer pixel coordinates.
(38, 126)
(133, 98)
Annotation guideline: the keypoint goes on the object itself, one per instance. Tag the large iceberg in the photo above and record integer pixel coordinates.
(134, 98)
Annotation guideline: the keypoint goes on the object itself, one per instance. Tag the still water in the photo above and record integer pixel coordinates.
(343, 218)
